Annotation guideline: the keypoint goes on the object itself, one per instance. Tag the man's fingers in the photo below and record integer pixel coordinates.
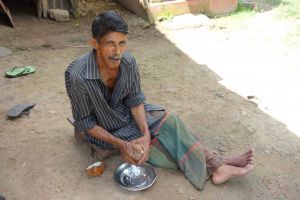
(130, 160)
(144, 158)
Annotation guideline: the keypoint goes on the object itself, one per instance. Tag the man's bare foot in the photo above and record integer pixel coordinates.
(240, 161)
(226, 172)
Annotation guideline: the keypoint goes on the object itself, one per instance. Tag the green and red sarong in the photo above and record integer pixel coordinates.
(174, 147)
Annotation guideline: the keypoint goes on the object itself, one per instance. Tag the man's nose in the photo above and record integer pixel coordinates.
(118, 50)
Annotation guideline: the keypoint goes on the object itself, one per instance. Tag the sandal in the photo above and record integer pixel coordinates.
(19, 71)
(20, 109)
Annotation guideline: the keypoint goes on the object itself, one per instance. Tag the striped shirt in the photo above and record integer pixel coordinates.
(93, 104)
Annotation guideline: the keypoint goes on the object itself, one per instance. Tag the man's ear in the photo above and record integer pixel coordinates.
(94, 43)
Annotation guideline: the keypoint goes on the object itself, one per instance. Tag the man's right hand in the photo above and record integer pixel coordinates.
(127, 149)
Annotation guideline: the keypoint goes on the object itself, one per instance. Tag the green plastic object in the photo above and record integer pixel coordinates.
(19, 71)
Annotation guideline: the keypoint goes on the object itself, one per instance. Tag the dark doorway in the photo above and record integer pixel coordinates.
(11, 8)
(21, 7)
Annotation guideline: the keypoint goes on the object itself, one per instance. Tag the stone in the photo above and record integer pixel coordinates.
(59, 15)
(52, 112)
(180, 190)
(4, 52)
(186, 21)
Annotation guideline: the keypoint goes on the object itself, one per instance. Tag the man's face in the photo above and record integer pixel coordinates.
(110, 49)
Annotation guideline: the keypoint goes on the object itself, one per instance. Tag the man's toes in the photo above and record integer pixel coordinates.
(249, 161)
(250, 152)
(250, 155)
(251, 158)
(249, 167)
(247, 153)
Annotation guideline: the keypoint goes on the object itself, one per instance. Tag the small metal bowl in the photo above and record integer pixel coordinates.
(135, 177)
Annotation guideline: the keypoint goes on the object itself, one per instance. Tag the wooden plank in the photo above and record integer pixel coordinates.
(139, 7)
(7, 12)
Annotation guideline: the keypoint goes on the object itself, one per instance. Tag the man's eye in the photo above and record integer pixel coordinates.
(122, 44)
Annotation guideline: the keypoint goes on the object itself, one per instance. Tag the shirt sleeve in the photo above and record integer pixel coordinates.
(135, 96)
(80, 102)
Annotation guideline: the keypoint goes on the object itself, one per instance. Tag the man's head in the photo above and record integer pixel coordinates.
(109, 38)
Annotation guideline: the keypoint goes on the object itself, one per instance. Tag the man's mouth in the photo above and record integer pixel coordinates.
(115, 58)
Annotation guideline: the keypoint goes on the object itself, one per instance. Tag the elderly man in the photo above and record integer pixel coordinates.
(108, 106)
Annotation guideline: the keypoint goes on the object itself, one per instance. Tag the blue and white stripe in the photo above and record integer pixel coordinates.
(93, 104)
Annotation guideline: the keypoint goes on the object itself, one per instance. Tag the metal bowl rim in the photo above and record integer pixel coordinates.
(124, 166)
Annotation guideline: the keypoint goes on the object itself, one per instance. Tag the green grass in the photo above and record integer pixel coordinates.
(242, 12)
(288, 9)
(165, 17)
(273, 2)
(283, 9)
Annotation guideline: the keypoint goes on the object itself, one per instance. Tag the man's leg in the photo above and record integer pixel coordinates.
(240, 161)
(213, 162)
(226, 172)
(226, 168)
(191, 158)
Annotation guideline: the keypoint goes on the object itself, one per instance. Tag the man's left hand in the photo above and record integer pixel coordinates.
(144, 141)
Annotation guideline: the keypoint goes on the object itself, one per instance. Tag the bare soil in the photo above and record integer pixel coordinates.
(40, 159)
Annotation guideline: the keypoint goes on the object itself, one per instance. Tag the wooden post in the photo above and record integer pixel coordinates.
(39, 8)
(149, 15)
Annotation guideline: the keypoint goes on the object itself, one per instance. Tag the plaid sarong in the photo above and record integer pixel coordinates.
(174, 147)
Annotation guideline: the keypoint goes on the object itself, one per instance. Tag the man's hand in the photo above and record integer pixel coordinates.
(127, 150)
(138, 113)
(144, 141)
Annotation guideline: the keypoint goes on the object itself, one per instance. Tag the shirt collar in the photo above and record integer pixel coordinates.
(92, 71)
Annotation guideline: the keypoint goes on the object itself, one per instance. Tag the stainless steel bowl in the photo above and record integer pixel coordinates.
(135, 177)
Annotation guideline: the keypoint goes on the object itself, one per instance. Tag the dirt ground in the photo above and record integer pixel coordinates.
(40, 159)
